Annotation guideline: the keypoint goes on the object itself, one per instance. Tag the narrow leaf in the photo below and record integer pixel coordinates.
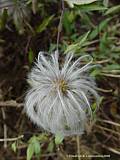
(30, 56)
(44, 24)
(50, 147)
(30, 151)
(112, 10)
(58, 139)
(14, 147)
(99, 28)
(74, 47)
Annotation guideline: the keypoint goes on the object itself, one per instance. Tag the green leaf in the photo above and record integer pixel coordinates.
(37, 148)
(103, 43)
(95, 72)
(30, 56)
(42, 137)
(58, 139)
(3, 18)
(99, 28)
(76, 46)
(112, 67)
(113, 9)
(68, 21)
(33, 148)
(50, 147)
(84, 38)
(14, 146)
(30, 151)
(91, 7)
(44, 24)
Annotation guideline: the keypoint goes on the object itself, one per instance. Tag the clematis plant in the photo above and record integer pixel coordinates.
(59, 99)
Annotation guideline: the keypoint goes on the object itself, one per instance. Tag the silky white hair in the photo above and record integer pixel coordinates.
(60, 95)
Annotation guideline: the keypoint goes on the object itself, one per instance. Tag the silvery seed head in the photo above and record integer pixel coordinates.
(60, 95)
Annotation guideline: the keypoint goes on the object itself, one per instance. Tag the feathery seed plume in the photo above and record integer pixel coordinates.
(60, 95)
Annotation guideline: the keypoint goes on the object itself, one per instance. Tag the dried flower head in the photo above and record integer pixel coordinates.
(17, 10)
(59, 98)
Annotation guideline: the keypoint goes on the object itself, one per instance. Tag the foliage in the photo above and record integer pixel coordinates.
(58, 139)
(33, 148)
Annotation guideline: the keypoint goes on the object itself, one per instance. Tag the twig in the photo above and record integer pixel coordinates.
(102, 61)
(28, 43)
(11, 103)
(109, 122)
(107, 129)
(110, 75)
(34, 6)
(12, 139)
(104, 90)
(78, 146)
(111, 149)
(5, 127)
(60, 25)
(62, 154)
(111, 71)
